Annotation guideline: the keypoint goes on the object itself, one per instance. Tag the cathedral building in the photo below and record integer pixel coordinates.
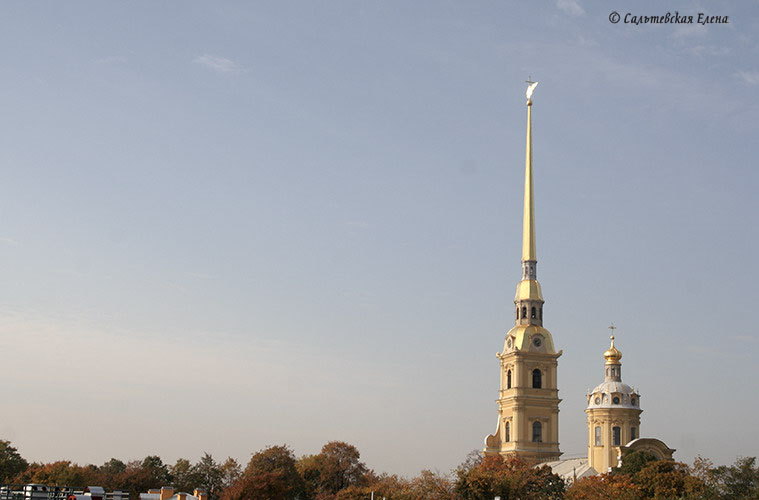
(614, 419)
(528, 399)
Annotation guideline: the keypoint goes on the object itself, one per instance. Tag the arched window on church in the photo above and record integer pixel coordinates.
(617, 431)
(533, 313)
(508, 379)
(598, 439)
(537, 379)
(633, 433)
(537, 432)
(507, 432)
(541, 314)
(517, 312)
(524, 312)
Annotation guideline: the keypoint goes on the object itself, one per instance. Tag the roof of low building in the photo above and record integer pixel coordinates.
(570, 469)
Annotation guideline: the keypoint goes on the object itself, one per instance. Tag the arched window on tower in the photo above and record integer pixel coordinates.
(598, 439)
(537, 432)
(507, 432)
(517, 312)
(524, 312)
(533, 313)
(508, 379)
(541, 314)
(633, 433)
(617, 431)
(537, 379)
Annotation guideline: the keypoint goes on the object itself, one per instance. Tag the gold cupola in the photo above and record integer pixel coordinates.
(612, 354)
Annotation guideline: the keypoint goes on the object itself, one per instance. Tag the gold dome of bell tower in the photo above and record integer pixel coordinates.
(613, 355)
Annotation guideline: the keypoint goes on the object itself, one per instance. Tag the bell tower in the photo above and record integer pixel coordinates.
(528, 400)
(613, 414)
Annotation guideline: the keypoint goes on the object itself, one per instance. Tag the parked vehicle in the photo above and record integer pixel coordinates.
(36, 491)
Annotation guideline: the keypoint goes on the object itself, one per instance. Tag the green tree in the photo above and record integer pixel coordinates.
(184, 475)
(11, 462)
(545, 484)
(113, 467)
(140, 476)
(703, 468)
(336, 468)
(159, 471)
(309, 468)
(339, 467)
(633, 462)
(230, 472)
(208, 475)
(665, 479)
(109, 473)
(473, 459)
(739, 481)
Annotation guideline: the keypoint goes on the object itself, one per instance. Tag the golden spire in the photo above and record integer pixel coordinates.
(529, 288)
(613, 355)
(528, 225)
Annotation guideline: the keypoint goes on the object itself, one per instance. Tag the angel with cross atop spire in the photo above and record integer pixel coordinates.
(530, 88)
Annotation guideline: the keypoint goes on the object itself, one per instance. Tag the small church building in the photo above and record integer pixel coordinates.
(613, 425)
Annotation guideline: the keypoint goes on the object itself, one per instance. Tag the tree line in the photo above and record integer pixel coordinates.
(337, 473)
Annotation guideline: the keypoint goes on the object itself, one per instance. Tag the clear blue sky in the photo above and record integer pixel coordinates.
(227, 225)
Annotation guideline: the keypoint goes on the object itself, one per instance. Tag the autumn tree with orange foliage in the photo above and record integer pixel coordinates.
(270, 475)
(59, 473)
(337, 473)
(430, 485)
(427, 485)
(604, 487)
(388, 486)
(509, 478)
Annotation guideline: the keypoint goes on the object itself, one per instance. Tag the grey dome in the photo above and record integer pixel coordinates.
(603, 396)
